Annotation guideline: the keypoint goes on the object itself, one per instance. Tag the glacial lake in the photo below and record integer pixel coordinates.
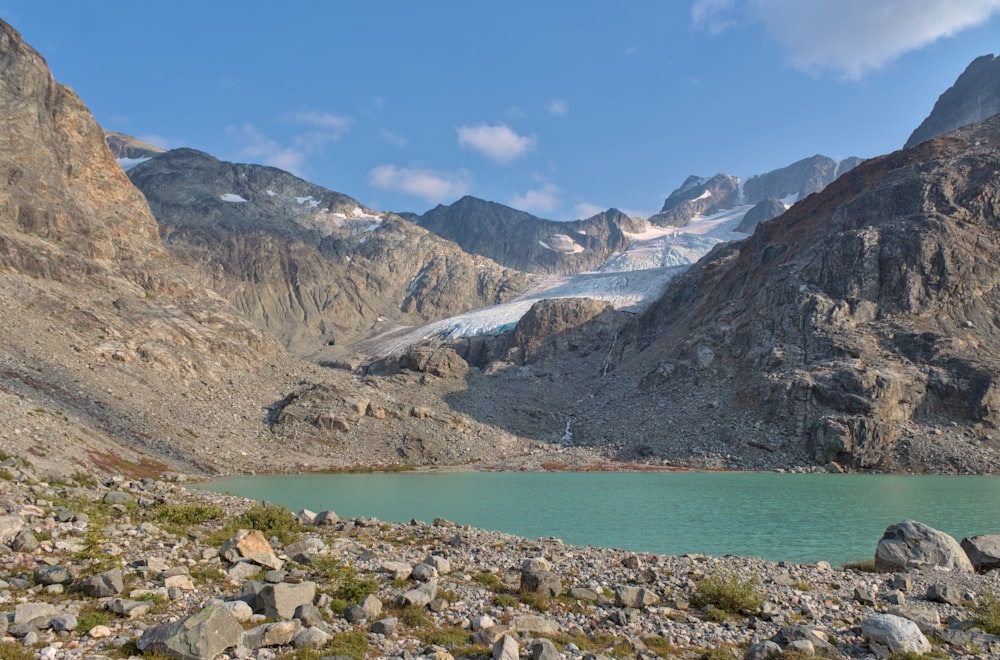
(793, 517)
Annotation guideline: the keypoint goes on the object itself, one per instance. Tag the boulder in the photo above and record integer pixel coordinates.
(279, 633)
(28, 612)
(103, 585)
(636, 597)
(279, 601)
(9, 528)
(533, 625)
(505, 648)
(541, 582)
(983, 551)
(888, 634)
(544, 649)
(312, 637)
(421, 596)
(201, 636)
(911, 544)
(399, 570)
(424, 572)
(944, 593)
(386, 626)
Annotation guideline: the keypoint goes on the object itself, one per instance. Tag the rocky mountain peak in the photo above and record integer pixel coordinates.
(698, 196)
(126, 146)
(974, 96)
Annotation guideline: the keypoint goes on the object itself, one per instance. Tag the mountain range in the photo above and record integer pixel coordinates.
(172, 311)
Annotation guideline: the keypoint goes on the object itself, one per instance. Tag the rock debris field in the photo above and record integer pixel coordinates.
(132, 568)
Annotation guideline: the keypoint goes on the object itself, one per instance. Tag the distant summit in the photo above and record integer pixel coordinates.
(975, 96)
(126, 146)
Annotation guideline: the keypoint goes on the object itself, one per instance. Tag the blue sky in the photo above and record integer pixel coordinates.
(561, 108)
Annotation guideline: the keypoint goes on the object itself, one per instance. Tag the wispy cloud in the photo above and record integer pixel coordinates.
(585, 210)
(260, 148)
(849, 37)
(543, 200)
(394, 139)
(432, 185)
(498, 142)
(557, 107)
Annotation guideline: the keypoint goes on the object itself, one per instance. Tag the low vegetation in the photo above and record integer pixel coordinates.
(728, 593)
(986, 613)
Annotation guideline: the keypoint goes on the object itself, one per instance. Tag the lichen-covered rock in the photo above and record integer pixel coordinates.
(201, 636)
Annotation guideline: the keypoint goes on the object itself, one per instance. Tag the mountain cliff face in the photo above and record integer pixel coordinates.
(698, 196)
(311, 266)
(974, 96)
(860, 326)
(525, 242)
(98, 320)
(128, 147)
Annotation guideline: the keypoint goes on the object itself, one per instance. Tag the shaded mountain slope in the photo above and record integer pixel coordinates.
(860, 326)
(525, 242)
(310, 265)
(974, 97)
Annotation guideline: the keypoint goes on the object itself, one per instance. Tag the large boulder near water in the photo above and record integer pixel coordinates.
(889, 634)
(983, 551)
(911, 544)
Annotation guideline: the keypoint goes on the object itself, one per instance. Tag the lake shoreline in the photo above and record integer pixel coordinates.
(610, 602)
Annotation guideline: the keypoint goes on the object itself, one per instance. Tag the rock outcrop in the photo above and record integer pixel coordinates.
(975, 96)
(767, 209)
(698, 196)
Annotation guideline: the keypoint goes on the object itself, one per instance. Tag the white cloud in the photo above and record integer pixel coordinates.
(850, 37)
(557, 107)
(585, 210)
(543, 200)
(259, 148)
(335, 124)
(431, 185)
(498, 142)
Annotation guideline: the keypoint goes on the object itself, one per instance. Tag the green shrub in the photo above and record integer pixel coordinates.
(505, 600)
(986, 614)
(269, 519)
(489, 581)
(534, 600)
(14, 651)
(185, 515)
(863, 566)
(450, 638)
(414, 616)
(727, 592)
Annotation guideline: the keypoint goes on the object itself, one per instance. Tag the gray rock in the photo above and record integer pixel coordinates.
(9, 528)
(944, 593)
(887, 634)
(398, 570)
(103, 585)
(201, 636)
(52, 575)
(911, 544)
(242, 571)
(309, 615)
(24, 541)
(424, 572)
(63, 622)
(326, 518)
(582, 593)
(279, 601)
(542, 582)
(305, 550)
(864, 595)
(28, 612)
(118, 497)
(240, 610)
(927, 620)
(312, 637)
(421, 596)
(766, 650)
(386, 626)
(132, 609)
(440, 564)
(983, 551)
(532, 624)
(635, 597)
(544, 649)
(505, 648)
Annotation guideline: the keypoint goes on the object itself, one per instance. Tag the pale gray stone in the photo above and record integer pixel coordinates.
(421, 596)
(542, 582)
(398, 570)
(312, 637)
(440, 564)
(309, 615)
(240, 610)
(201, 636)
(52, 575)
(9, 527)
(278, 601)
(24, 541)
(944, 593)
(887, 634)
(118, 497)
(132, 609)
(424, 572)
(63, 623)
(636, 597)
(532, 624)
(911, 544)
(582, 593)
(766, 650)
(505, 648)
(28, 612)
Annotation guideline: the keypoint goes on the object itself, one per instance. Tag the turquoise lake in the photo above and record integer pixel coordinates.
(792, 517)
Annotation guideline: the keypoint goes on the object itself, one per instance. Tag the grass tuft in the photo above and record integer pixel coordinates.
(727, 592)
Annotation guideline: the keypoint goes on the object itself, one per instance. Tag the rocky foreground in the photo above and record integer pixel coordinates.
(131, 568)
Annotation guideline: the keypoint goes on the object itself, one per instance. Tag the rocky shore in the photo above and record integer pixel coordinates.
(122, 568)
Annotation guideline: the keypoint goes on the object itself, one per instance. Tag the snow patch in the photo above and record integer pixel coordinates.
(271, 193)
(790, 200)
(233, 198)
(704, 195)
(128, 163)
